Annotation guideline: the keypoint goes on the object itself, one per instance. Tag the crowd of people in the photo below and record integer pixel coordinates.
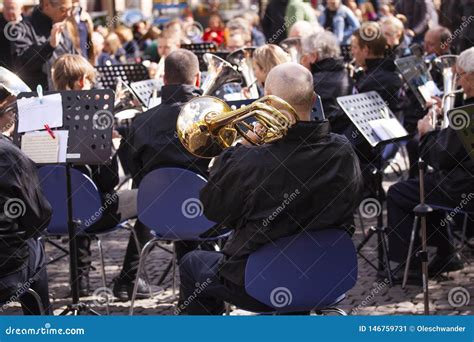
(343, 48)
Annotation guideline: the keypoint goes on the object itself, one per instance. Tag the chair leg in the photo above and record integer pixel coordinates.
(227, 309)
(104, 278)
(145, 274)
(464, 227)
(141, 265)
(36, 296)
(335, 310)
(361, 222)
(410, 251)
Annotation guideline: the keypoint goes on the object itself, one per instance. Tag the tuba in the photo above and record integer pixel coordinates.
(242, 58)
(293, 47)
(446, 65)
(10, 86)
(207, 125)
(220, 72)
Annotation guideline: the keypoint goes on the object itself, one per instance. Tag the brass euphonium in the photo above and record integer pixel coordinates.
(207, 125)
(446, 65)
(293, 47)
(243, 59)
(220, 72)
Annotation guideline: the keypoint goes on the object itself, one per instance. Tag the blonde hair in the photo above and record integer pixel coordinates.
(268, 56)
(124, 33)
(68, 69)
(112, 41)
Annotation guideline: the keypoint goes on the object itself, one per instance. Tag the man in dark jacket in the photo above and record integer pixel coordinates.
(9, 19)
(417, 15)
(24, 214)
(450, 185)
(154, 143)
(308, 180)
(42, 39)
(321, 55)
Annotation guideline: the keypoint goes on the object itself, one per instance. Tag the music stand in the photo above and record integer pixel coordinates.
(108, 74)
(199, 50)
(462, 120)
(88, 118)
(144, 90)
(367, 111)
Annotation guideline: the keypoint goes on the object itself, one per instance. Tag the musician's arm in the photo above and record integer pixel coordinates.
(223, 195)
(442, 149)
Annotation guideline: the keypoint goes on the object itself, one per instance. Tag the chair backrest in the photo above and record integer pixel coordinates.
(168, 203)
(302, 272)
(86, 201)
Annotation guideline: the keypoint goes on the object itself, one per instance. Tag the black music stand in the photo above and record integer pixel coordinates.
(144, 90)
(108, 74)
(87, 117)
(364, 110)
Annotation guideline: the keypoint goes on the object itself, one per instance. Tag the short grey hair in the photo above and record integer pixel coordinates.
(324, 43)
(466, 60)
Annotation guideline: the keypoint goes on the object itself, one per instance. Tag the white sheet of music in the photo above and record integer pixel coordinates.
(42, 148)
(388, 128)
(33, 115)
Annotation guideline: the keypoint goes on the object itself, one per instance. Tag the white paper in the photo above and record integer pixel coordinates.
(43, 149)
(33, 115)
(428, 90)
(387, 129)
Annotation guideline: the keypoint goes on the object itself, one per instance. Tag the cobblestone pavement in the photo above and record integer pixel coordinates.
(370, 296)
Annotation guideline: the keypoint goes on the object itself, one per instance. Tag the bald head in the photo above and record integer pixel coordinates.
(437, 40)
(12, 10)
(293, 83)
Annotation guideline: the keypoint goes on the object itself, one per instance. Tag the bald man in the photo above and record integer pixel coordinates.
(308, 180)
(437, 41)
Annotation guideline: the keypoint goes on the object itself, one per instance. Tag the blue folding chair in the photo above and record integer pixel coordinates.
(169, 205)
(87, 206)
(310, 271)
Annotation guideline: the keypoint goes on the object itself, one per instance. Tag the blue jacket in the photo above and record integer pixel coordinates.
(343, 24)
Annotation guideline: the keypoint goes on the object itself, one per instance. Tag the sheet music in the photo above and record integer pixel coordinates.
(387, 129)
(43, 149)
(33, 115)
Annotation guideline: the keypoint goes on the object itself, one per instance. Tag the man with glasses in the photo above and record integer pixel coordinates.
(39, 40)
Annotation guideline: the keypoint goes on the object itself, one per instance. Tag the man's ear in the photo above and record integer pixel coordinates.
(198, 79)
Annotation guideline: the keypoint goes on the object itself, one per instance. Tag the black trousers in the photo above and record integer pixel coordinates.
(122, 208)
(33, 275)
(402, 197)
(203, 291)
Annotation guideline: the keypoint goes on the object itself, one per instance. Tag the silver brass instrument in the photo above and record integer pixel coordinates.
(293, 47)
(206, 125)
(220, 72)
(243, 59)
(127, 105)
(10, 86)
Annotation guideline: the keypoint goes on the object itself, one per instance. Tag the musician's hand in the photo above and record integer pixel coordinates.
(246, 92)
(56, 34)
(425, 125)
(434, 101)
(116, 134)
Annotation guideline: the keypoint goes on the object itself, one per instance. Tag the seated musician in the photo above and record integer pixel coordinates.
(249, 183)
(25, 214)
(154, 143)
(450, 185)
(321, 55)
(73, 72)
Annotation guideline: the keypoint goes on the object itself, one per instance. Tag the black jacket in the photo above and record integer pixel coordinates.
(273, 22)
(153, 139)
(454, 169)
(24, 212)
(309, 180)
(417, 14)
(33, 55)
(331, 80)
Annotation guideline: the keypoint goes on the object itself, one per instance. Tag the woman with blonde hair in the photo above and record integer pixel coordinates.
(113, 46)
(265, 58)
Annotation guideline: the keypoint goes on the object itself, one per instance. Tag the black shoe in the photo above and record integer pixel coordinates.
(123, 289)
(449, 263)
